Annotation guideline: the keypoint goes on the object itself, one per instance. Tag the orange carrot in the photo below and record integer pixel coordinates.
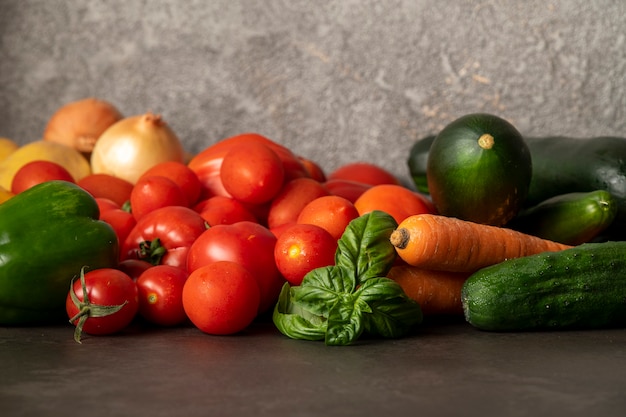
(437, 292)
(448, 244)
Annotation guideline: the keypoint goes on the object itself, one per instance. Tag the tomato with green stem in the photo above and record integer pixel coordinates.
(101, 301)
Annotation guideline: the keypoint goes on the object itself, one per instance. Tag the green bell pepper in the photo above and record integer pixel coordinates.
(47, 234)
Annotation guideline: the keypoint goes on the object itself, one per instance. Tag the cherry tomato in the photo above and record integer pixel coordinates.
(36, 172)
(161, 295)
(350, 190)
(252, 173)
(224, 210)
(105, 204)
(207, 163)
(295, 194)
(105, 287)
(151, 193)
(164, 236)
(330, 212)
(221, 298)
(302, 248)
(249, 244)
(182, 175)
(133, 267)
(396, 200)
(120, 220)
(364, 172)
(107, 186)
(313, 168)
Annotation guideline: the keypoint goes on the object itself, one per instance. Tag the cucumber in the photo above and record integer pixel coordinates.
(579, 288)
(479, 169)
(571, 218)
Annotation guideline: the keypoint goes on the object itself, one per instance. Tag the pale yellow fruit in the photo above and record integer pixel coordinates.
(41, 150)
(7, 147)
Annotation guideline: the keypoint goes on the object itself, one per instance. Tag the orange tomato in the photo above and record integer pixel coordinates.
(396, 200)
(330, 212)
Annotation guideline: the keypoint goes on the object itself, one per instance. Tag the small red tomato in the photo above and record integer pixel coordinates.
(121, 221)
(364, 172)
(220, 209)
(292, 198)
(36, 172)
(252, 173)
(221, 298)
(302, 248)
(182, 175)
(161, 295)
(105, 204)
(249, 244)
(107, 186)
(108, 304)
(133, 267)
(151, 193)
(350, 190)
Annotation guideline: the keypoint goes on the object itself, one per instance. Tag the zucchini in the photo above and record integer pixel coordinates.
(571, 218)
(579, 288)
(479, 169)
(417, 161)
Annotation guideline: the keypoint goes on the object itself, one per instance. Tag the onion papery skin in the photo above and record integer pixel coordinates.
(80, 123)
(133, 145)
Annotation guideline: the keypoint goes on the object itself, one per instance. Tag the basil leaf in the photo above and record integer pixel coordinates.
(393, 313)
(294, 321)
(364, 246)
(345, 321)
(323, 287)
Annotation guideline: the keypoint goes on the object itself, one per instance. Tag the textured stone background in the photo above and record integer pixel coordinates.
(336, 81)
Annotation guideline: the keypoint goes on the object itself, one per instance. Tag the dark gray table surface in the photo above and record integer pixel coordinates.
(445, 369)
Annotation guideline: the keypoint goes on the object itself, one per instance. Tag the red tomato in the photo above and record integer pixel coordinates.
(133, 267)
(120, 220)
(364, 172)
(151, 193)
(164, 236)
(350, 190)
(161, 295)
(105, 204)
(182, 175)
(247, 243)
(107, 186)
(105, 287)
(207, 163)
(36, 172)
(302, 248)
(313, 168)
(221, 298)
(224, 210)
(396, 200)
(252, 173)
(296, 194)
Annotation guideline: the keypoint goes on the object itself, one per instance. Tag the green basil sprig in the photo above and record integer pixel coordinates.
(341, 302)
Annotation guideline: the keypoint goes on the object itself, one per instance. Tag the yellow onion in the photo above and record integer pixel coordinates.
(80, 123)
(129, 147)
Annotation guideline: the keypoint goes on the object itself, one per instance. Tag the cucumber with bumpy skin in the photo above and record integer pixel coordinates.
(579, 288)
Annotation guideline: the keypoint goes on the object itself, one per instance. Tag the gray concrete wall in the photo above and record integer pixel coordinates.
(336, 81)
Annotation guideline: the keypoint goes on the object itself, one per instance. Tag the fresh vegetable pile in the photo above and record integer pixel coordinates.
(107, 221)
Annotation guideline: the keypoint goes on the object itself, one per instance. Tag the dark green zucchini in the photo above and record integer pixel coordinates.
(579, 288)
(417, 162)
(571, 218)
(479, 169)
